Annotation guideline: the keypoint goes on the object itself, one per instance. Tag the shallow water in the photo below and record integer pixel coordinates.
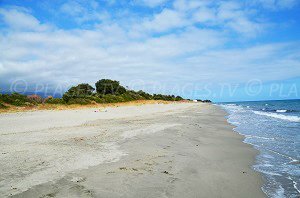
(272, 127)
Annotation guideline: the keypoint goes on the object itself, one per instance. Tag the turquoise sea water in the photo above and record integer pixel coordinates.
(273, 128)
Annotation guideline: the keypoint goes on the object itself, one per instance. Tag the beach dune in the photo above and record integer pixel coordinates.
(157, 150)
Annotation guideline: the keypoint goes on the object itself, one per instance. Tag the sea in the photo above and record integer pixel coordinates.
(273, 128)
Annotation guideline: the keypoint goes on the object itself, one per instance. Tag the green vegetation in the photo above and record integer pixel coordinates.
(2, 106)
(16, 99)
(107, 91)
(51, 100)
(81, 91)
(107, 86)
(167, 97)
(35, 99)
(145, 95)
(205, 101)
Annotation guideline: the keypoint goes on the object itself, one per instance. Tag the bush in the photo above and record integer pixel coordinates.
(2, 106)
(132, 95)
(79, 91)
(107, 86)
(178, 98)
(51, 100)
(167, 97)
(109, 98)
(96, 99)
(16, 99)
(84, 89)
(82, 94)
(35, 98)
(158, 97)
(80, 101)
(145, 95)
(126, 97)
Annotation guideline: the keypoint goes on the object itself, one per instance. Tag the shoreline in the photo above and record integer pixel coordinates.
(242, 138)
(156, 150)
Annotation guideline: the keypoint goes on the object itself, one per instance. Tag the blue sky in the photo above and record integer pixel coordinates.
(220, 50)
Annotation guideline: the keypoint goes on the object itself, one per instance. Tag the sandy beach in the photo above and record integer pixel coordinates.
(157, 150)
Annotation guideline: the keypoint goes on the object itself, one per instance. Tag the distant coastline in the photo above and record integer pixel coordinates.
(106, 92)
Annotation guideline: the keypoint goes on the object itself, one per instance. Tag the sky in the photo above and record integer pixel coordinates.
(200, 49)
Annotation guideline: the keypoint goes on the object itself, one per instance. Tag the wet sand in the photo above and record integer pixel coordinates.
(158, 150)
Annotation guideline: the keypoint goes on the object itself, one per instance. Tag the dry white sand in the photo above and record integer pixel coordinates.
(174, 150)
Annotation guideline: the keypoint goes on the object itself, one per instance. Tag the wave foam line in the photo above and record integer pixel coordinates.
(283, 155)
(281, 111)
(294, 184)
(259, 137)
(279, 116)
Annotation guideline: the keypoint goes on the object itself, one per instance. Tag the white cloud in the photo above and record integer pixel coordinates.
(21, 20)
(229, 15)
(144, 48)
(85, 56)
(232, 15)
(266, 62)
(246, 27)
(166, 20)
(205, 15)
(83, 11)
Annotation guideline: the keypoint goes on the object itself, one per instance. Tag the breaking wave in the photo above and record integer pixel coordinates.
(278, 116)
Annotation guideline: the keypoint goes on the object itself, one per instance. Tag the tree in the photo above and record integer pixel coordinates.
(145, 95)
(107, 86)
(79, 91)
(84, 89)
(178, 98)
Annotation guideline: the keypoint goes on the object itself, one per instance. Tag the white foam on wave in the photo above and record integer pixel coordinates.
(234, 122)
(283, 155)
(294, 161)
(279, 192)
(279, 116)
(295, 184)
(232, 107)
(258, 168)
(259, 137)
(281, 111)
